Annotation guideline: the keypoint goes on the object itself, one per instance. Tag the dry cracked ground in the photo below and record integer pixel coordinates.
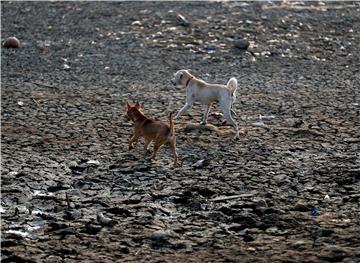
(287, 191)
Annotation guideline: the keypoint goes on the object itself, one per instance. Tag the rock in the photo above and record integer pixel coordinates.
(246, 220)
(91, 229)
(119, 211)
(302, 244)
(72, 215)
(280, 178)
(66, 231)
(160, 238)
(295, 123)
(11, 42)
(93, 162)
(301, 206)
(236, 228)
(321, 232)
(54, 226)
(334, 253)
(124, 249)
(315, 212)
(136, 23)
(201, 163)
(178, 245)
(160, 235)
(66, 67)
(182, 21)
(16, 259)
(241, 44)
(105, 221)
(248, 238)
(261, 203)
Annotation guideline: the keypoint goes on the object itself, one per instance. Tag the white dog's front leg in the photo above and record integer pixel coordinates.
(188, 104)
(182, 110)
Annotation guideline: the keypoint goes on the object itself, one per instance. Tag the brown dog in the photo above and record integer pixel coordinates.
(152, 130)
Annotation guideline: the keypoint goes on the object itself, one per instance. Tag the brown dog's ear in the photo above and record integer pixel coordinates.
(137, 105)
(128, 105)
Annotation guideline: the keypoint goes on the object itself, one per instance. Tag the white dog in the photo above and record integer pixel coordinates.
(205, 93)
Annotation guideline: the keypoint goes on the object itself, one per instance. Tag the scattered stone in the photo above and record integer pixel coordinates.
(124, 249)
(119, 211)
(72, 215)
(66, 67)
(302, 207)
(91, 229)
(11, 42)
(105, 221)
(295, 123)
(202, 163)
(334, 253)
(314, 212)
(160, 238)
(241, 44)
(136, 23)
(93, 162)
(182, 21)
(302, 244)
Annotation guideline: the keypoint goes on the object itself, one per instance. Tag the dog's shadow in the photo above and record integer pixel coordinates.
(191, 127)
(140, 157)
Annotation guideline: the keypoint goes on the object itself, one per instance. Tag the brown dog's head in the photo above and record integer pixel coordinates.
(133, 112)
(181, 77)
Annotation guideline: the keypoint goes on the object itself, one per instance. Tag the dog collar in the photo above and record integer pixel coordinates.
(187, 82)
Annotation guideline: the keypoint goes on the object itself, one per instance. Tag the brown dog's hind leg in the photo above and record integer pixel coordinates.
(172, 145)
(146, 145)
(157, 146)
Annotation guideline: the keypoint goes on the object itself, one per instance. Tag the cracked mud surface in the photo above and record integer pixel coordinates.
(287, 191)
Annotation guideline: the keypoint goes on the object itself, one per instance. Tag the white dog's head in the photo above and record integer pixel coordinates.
(181, 77)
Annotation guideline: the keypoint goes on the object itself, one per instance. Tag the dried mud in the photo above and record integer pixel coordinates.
(287, 191)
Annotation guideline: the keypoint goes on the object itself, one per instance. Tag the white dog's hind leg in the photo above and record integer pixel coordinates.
(205, 116)
(233, 123)
(227, 115)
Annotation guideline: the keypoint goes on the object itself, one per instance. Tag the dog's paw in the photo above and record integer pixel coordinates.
(150, 158)
(148, 152)
(131, 147)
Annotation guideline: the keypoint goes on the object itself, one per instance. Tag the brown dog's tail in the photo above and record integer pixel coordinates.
(171, 123)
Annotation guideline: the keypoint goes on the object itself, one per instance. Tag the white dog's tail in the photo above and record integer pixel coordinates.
(232, 84)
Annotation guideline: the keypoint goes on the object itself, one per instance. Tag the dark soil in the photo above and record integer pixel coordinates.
(287, 191)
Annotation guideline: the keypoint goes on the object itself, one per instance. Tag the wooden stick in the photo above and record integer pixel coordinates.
(224, 198)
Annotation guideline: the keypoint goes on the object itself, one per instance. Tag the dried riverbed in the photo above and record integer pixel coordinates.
(288, 190)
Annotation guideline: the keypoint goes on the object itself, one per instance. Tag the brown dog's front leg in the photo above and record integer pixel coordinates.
(134, 139)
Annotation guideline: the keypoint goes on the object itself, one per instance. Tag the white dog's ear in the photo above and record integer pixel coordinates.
(189, 70)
